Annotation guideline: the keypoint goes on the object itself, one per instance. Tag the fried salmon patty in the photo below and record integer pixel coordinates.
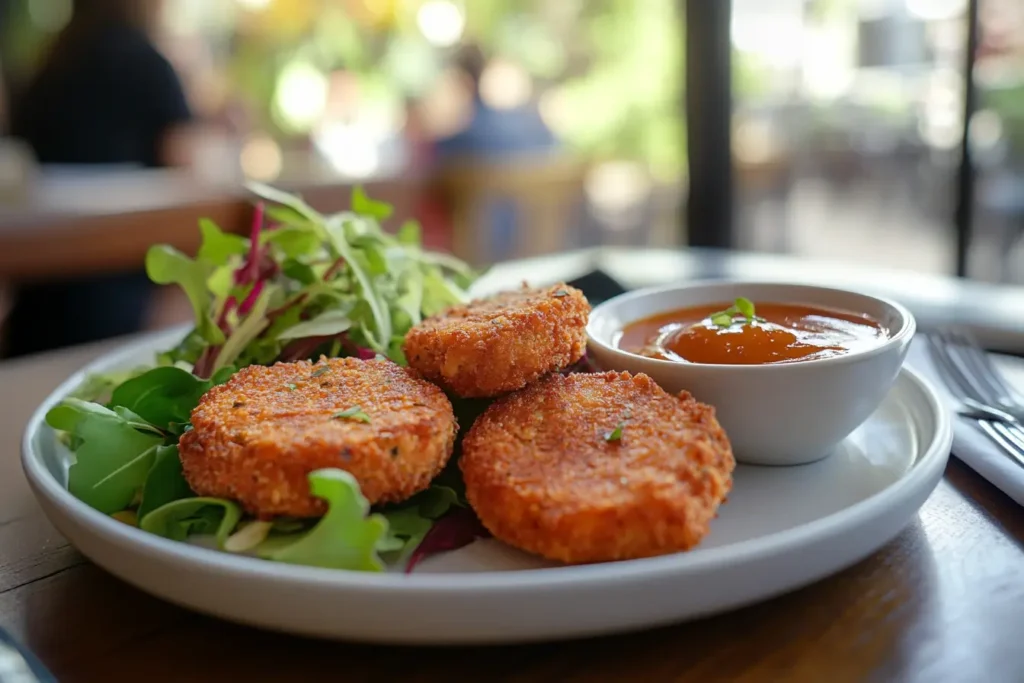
(256, 438)
(492, 346)
(597, 467)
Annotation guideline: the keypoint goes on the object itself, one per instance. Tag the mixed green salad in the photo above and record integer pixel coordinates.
(303, 284)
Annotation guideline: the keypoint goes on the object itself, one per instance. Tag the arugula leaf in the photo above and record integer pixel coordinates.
(382, 321)
(162, 396)
(218, 246)
(331, 322)
(290, 201)
(180, 519)
(345, 538)
(136, 422)
(165, 482)
(410, 234)
(112, 457)
(364, 206)
(440, 293)
(166, 265)
(187, 350)
(293, 241)
(437, 500)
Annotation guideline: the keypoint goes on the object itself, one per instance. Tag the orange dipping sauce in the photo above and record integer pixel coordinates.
(780, 333)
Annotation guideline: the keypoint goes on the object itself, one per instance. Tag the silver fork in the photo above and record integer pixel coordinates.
(970, 375)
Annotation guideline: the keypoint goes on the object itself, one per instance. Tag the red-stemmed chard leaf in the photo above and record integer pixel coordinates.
(254, 294)
(249, 271)
(455, 530)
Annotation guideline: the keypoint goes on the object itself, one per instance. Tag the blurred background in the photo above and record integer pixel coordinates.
(512, 128)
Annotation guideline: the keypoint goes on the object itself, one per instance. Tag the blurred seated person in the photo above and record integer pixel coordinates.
(494, 134)
(103, 96)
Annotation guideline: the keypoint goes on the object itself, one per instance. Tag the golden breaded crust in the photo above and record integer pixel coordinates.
(543, 475)
(492, 346)
(256, 438)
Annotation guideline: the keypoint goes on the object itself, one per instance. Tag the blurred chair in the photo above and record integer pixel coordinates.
(543, 192)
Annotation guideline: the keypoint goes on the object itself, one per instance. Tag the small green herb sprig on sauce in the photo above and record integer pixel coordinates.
(741, 311)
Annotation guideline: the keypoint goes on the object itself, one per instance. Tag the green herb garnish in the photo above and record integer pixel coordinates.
(615, 434)
(290, 386)
(353, 413)
(741, 311)
(321, 370)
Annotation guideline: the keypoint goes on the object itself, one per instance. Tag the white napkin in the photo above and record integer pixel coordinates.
(970, 443)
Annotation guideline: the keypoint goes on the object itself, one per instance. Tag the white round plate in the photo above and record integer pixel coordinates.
(782, 528)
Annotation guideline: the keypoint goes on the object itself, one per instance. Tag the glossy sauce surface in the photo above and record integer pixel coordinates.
(781, 333)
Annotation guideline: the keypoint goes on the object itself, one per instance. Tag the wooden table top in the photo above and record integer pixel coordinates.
(942, 602)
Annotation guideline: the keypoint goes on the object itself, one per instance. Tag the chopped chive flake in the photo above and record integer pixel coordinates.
(290, 387)
(353, 413)
(561, 292)
(320, 371)
(615, 434)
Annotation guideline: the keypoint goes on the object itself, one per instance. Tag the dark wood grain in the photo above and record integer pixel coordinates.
(942, 602)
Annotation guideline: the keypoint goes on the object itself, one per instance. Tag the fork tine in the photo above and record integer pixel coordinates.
(951, 374)
(960, 356)
(1001, 434)
(981, 361)
(964, 374)
(1010, 439)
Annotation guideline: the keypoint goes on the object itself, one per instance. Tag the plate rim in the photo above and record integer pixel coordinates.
(932, 456)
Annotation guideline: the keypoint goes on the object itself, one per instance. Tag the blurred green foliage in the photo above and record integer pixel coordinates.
(617, 65)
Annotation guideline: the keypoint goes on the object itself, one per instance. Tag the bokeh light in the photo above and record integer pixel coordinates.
(300, 97)
(505, 85)
(254, 5)
(441, 22)
(261, 158)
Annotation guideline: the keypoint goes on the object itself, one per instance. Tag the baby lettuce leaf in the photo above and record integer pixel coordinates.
(166, 265)
(112, 457)
(162, 396)
(345, 538)
(165, 482)
(409, 524)
(180, 519)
